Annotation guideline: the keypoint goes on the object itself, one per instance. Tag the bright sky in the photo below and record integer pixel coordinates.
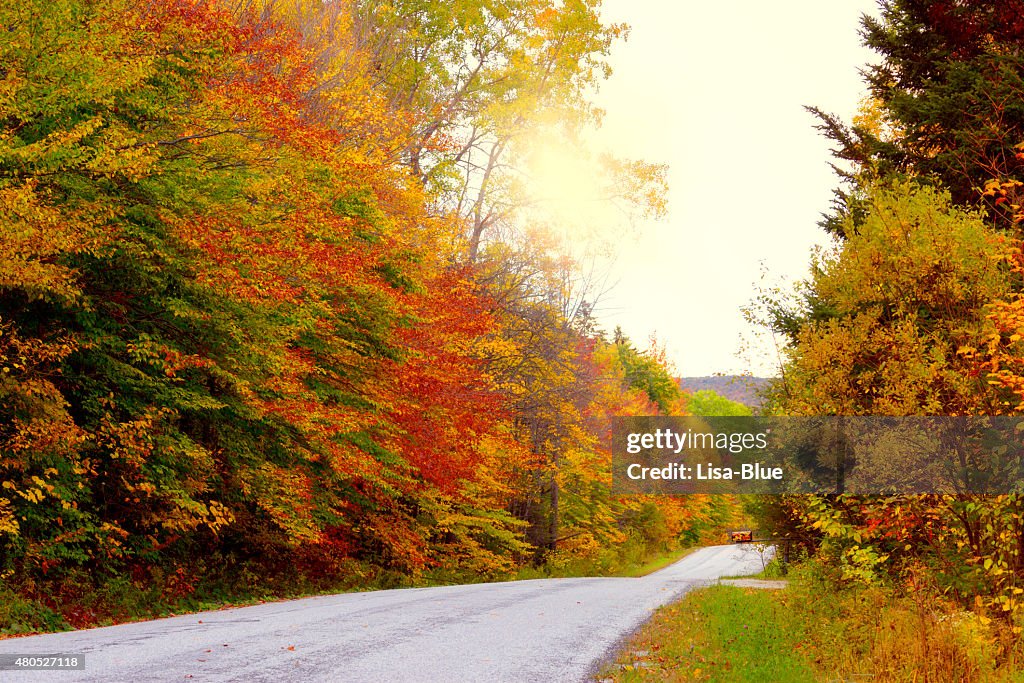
(717, 92)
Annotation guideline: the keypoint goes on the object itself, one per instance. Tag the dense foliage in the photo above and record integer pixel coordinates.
(945, 102)
(252, 321)
(917, 309)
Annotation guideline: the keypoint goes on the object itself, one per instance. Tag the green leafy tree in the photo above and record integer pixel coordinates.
(709, 404)
(647, 371)
(947, 104)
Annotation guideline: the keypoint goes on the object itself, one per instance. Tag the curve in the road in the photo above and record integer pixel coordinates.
(542, 630)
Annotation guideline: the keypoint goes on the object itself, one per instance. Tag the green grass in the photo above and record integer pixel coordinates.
(630, 560)
(814, 631)
(654, 564)
(720, 634)
(19, 615)
(772, 571)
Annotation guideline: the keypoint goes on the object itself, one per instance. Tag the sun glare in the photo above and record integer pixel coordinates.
(567, 188)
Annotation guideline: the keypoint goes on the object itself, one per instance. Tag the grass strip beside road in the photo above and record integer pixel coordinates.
(814, 631)
(628, 561)
(719, 634)
(656, 563)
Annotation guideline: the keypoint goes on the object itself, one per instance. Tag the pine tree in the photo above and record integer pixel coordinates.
(949, 89)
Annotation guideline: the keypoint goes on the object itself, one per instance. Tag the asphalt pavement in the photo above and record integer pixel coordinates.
(545, 630)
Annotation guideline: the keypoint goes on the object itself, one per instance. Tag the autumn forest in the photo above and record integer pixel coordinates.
(279, 313)
(271, 314)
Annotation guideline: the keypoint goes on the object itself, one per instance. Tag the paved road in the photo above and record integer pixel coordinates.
(544, 630)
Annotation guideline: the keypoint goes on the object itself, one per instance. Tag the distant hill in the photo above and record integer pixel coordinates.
(734, 387)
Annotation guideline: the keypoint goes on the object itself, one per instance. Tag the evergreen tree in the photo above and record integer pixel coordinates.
(949, 106)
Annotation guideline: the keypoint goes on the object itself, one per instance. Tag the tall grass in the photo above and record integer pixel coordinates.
(812, 632)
